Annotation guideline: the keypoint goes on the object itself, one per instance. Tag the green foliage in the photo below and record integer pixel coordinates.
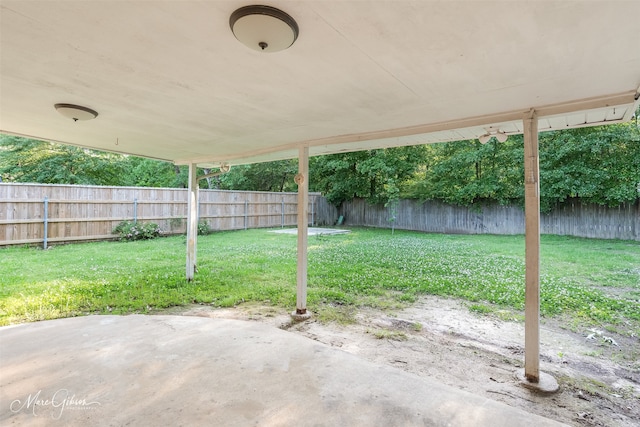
(375, 175)
(480, 308)
(130, 231)
(598, 165)
(269, 176)
(467, 172)
(26, 160)
(203, 228)
(153, 173)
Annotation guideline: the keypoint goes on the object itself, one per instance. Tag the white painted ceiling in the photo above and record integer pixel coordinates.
(170, 81)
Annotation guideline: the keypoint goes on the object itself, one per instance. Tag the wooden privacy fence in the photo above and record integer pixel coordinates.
(572, 218)
(41, 213)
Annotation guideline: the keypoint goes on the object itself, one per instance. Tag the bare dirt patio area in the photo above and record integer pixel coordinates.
(598, 371)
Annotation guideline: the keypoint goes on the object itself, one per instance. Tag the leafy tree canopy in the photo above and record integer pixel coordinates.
(467, 172)
(597, 165)
(142, 172)
(26, 160)
(270, 176)
(375, 175)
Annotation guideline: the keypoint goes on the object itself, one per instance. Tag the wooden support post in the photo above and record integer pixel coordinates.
(192, 221)
(532, 249)
(302, 179)
(532, 377)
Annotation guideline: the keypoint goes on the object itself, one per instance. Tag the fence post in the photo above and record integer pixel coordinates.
(282, 211)
(46, 221)
(313, 211)
(246, 213)
(135, 210)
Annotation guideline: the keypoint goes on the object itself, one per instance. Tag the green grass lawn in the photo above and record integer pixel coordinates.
(587, 281)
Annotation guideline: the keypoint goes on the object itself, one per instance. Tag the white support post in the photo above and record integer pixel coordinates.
(532, 249)
(533, 378)
(192, 221)
(302, 179)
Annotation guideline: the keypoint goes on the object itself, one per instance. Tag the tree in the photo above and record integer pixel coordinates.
(598, 165)
(376, 175)
(269, 176)
(142, 172)
(467, 172)
(27, 160)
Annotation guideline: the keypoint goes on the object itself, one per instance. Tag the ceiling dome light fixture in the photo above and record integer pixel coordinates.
(76, 112)
(263, 28)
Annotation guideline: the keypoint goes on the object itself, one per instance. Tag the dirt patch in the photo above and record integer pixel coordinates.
(598, 371)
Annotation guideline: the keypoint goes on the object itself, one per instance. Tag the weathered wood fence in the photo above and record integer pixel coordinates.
(40, 213)
(573, 218)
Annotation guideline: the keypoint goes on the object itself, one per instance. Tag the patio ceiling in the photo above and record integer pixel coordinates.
(170, 81)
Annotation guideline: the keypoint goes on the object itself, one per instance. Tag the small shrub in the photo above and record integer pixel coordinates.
(203, 228)
(130, 231)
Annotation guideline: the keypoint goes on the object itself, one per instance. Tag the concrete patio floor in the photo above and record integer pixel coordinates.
(173, 370)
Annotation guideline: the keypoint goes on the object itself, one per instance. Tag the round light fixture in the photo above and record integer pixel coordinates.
(263, 28)
(76, 112)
